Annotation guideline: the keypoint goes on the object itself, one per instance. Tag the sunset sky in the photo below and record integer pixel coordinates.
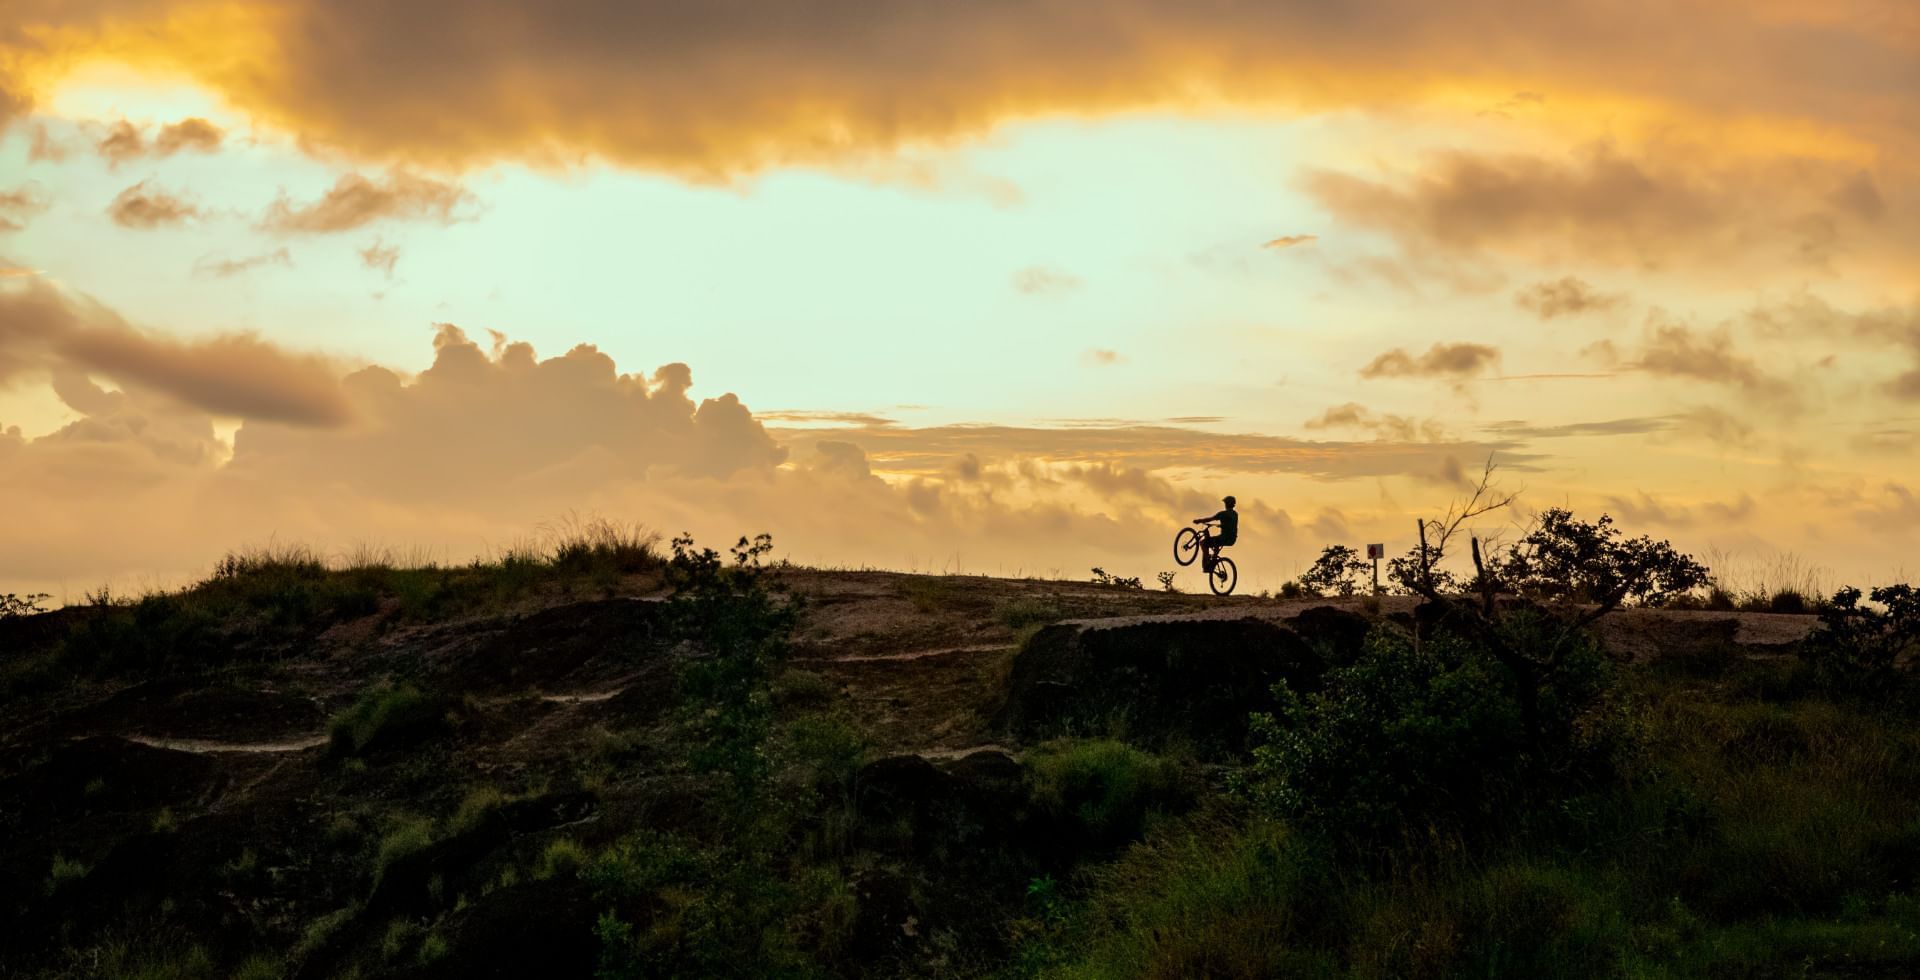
(1013, 287)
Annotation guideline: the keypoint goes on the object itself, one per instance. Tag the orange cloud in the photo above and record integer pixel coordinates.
(1456, 211)
(1567, 296)
(1289, 241)
(43, 329)
(144, 209)
(730, 87)
(1454, 361)
(20, 204)
(355, 202)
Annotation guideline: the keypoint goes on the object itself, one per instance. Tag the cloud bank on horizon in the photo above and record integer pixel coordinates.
(1666, 264)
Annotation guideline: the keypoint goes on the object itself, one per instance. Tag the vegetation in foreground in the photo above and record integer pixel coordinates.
(1479, 790)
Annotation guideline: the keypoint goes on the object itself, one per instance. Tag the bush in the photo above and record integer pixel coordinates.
(1108, 790)
(1858, 648)
(563, 856)
(1572, 562)
(381, 717)
(407, 835)
(13, 605)
(1407, 738)
(1338, 571)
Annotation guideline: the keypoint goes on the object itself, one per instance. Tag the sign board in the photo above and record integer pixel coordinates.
(1376, 551)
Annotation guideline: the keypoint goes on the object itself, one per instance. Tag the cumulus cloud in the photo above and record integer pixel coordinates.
(223, 268)
(143, 208)
(492, 439)
(356, 201)
(1456, 362)
(19, 205)
(1675, 351)
(1354, 415)
(45, 330)
(194, 134)
(1567, 296)
(1035, 280)
(124, 141)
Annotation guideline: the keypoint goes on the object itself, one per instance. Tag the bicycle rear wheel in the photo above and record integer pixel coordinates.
(1224, 577)
(1186, 546)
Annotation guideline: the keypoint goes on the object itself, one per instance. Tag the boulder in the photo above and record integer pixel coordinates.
(1154, 681)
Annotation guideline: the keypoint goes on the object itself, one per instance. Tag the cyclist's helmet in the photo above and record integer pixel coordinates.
(1229, 501)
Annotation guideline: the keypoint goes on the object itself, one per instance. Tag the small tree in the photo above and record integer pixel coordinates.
(1581, 571)
(1571, 563)
(1857, 647)
(1166, 581)
(12, 605)
(1338, 571)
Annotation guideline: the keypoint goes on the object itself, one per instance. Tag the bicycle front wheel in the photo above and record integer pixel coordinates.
(1224, 576)
(1186, 546)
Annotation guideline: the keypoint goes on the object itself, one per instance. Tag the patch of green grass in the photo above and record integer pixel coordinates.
(383, 715)
(407, 834)
(563, 857)
(321, 930)
(474, 807)
(433, 947)
(399, 937)
(259, 967)
(1026, 612)
(118, 959)
(1109, 790)
(64, 872)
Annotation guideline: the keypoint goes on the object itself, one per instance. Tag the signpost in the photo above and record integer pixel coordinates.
(1376, 552)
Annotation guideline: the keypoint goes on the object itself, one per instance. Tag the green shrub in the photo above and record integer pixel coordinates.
(563, 856)
(1109, 790)
(1405, 738)
(1858, 648)
(383, 716)
(320, 931)
(406, 834)
(64, 871)
(473, 808)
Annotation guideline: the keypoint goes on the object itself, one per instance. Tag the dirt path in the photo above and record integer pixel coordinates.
(204, 746)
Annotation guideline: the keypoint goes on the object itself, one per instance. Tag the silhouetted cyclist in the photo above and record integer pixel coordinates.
(1227, 523)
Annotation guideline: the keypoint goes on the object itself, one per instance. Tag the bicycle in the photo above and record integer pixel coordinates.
(1222, 573)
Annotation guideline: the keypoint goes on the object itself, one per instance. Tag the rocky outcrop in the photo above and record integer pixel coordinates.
(1155, 681)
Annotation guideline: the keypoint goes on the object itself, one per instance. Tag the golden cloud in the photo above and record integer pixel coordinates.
(729, 87)
(145, 209)
(354, 201)
(43, 329)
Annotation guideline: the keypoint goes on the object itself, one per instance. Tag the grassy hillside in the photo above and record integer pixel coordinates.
(608, 758)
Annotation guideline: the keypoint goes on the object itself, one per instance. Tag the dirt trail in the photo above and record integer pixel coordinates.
(205, 746)
(866, 658)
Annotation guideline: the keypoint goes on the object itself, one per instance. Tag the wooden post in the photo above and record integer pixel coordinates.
(1486, 584)
(1426, 573)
